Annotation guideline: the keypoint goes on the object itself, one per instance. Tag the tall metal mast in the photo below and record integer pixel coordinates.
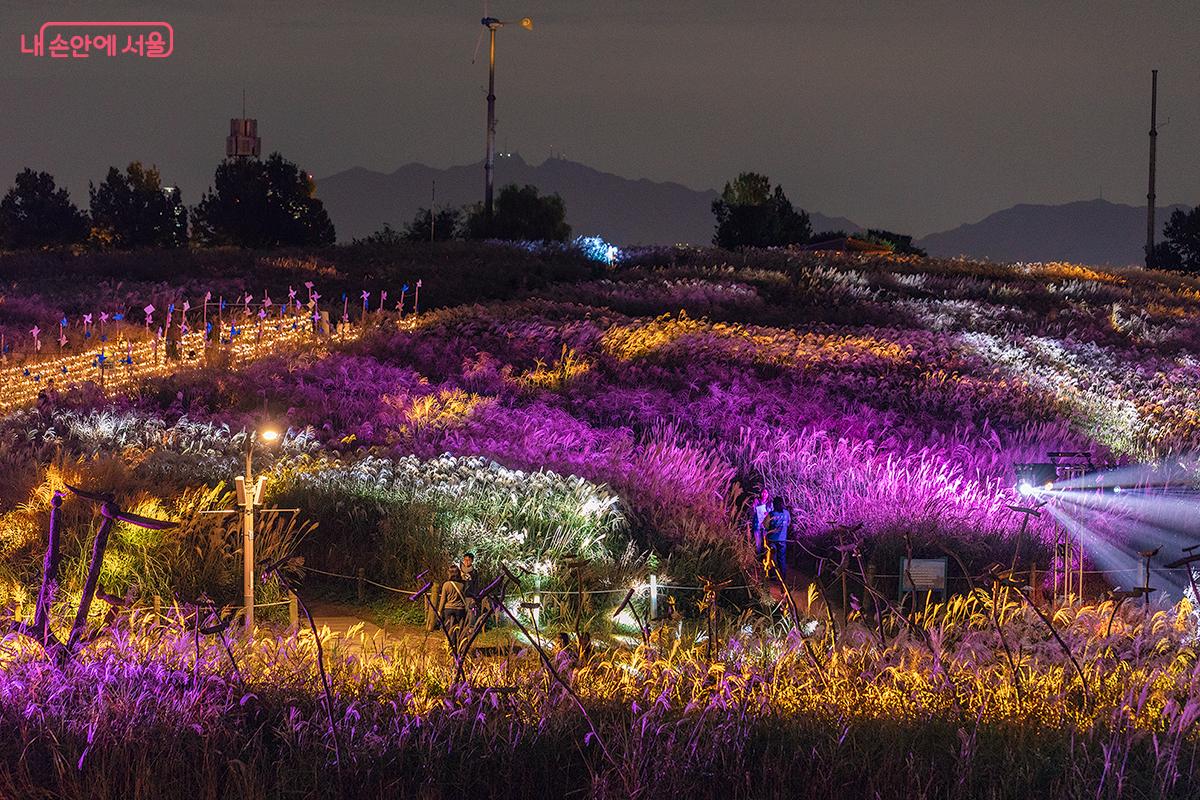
(1153, 143)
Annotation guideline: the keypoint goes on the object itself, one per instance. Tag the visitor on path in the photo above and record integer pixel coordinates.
(466, 570)
(775, 531)
(758, 513)
(453, 602)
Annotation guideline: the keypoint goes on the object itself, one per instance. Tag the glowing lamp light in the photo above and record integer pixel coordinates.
(1117, 490)
(269, 435)
(1035, 477)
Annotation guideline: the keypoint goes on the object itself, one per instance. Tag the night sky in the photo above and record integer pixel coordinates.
(911, 116)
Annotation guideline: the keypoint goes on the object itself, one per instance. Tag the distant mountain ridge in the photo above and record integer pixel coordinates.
(620, 209)
(1085, 232)
(640, 211)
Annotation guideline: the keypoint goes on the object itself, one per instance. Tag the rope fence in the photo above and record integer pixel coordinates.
(564, 592)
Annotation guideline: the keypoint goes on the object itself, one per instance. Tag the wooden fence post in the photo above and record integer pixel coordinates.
(293, 611)
(871, 584)
(653, 596)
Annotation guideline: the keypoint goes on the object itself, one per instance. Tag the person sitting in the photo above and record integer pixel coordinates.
(775, 531)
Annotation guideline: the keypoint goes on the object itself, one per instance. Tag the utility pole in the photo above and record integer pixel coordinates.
(489, 166)
(250, 495)
(1153, 142)
(432, 213)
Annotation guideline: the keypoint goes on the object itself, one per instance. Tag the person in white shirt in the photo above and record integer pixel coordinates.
(758, 513)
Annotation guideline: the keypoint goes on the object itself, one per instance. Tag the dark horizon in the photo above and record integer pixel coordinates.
(916, 119)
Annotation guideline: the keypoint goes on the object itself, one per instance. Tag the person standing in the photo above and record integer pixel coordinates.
(775, 530)
(453, 603)
(466, 569)
(758, 513)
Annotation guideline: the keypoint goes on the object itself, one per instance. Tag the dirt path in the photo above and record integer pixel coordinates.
(352, 626)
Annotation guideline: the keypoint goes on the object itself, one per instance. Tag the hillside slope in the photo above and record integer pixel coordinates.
(1085, 232)
(621, 209)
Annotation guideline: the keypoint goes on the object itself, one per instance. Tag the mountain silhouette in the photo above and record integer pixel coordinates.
(1084, 232)
(622, 210)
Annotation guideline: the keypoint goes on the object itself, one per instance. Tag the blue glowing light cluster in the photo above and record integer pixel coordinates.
(595, 248)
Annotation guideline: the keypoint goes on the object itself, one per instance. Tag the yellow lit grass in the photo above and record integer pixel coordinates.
(558, 375)
(445, 408)
(1062, 270)
(752, 343)
(1138, 677)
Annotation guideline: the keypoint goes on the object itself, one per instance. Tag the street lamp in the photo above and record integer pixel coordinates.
(489, 166)
(250, 495)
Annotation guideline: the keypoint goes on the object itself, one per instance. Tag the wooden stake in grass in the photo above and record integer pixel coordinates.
(708, 606)
(40, 628)
(286, 571)
(1005, 579)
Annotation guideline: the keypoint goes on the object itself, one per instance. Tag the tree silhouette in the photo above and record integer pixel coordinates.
(445, 227)
(899, 242)
(387, 236)
(521, 214)
(133, 210)
(1181, 248)
(261, 204)
(36, 213)
(750, 214)
(1163, 257)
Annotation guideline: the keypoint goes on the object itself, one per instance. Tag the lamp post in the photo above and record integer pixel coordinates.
(489, 166)
(249, 495)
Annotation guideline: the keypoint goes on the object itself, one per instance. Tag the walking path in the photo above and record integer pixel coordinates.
(351, 626)
(353, 629)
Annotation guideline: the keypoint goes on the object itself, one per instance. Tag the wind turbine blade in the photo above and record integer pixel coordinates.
(478, 42)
